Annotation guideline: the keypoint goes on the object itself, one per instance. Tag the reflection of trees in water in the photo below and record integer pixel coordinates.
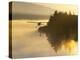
(61, 27)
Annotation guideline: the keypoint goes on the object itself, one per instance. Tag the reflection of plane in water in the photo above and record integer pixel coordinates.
(39, 24)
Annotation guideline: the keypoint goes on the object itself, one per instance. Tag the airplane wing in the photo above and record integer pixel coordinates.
(37, 22)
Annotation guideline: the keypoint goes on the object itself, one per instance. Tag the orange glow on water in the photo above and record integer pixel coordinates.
(70, 47)
(27, 42)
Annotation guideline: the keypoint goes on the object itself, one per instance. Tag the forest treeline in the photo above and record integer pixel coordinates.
(61, 27)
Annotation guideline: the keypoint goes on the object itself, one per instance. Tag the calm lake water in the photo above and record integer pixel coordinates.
(27, 42)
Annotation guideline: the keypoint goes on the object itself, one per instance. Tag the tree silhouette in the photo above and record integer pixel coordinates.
(61, 27)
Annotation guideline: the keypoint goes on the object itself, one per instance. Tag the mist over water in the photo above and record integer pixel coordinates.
(27, 42)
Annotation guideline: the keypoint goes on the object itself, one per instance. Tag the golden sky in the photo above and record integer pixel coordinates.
(63, 7)
(42, 8)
